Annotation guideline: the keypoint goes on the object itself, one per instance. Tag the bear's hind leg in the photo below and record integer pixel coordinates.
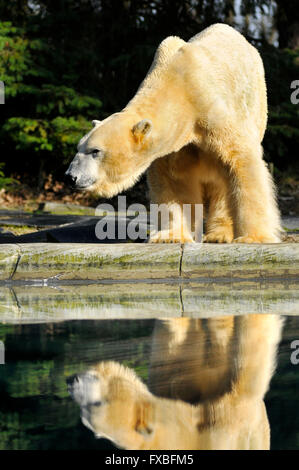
(257, 218)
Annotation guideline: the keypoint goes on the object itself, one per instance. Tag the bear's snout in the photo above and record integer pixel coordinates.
(78, 181)
(70, 179)
(82, 172)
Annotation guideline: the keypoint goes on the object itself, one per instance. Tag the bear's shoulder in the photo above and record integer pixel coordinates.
(167, 48)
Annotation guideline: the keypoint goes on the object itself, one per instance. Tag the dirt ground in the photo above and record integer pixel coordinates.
(23, 196)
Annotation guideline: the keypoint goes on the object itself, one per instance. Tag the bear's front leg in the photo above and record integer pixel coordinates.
(169, 192)
(171, 234)
(169, 223)
(257, 217)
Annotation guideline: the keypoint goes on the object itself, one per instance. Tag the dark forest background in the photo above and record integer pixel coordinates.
(66, 62)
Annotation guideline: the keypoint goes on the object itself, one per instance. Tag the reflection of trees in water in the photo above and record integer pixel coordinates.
(282, 400)
(36, 411)
(35, 408)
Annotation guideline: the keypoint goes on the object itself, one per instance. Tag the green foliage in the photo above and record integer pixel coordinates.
(282, 137)
(40, 136)
(67, 132)
(66, 63)
(28, 134)
(15, 59)
(5, 181)
(43, 116)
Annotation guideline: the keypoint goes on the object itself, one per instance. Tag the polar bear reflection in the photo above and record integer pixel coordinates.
(206, 387)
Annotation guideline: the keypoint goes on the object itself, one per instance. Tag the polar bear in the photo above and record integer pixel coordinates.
(203, 108)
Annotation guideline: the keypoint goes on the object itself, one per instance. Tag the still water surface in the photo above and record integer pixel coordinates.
(187, 383)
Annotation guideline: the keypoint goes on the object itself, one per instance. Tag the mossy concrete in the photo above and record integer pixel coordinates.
(92, 262)
(78, 261)
(9, 255)
(240, 260)
(53, 207)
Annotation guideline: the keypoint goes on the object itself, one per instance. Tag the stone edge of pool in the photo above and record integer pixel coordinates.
(67, 261)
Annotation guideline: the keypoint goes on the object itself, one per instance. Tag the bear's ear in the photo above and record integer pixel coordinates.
(95, 123)
(141, 129)
(144, 419)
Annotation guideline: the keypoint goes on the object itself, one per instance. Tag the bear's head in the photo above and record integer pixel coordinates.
(112, 155)
(115, 404)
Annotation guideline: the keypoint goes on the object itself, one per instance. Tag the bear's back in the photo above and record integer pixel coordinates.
(232, 60)
(216, 64)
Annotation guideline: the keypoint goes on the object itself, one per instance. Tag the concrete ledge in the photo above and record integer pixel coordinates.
(92, 262)
(240, 260)
(9, 255)
(69, 261)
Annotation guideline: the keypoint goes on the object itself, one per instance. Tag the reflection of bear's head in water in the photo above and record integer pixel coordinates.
(223, 366)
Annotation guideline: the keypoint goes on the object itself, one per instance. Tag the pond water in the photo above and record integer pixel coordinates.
(198, 382)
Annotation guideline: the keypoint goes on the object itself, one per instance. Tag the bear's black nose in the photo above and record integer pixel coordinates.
(69, 179)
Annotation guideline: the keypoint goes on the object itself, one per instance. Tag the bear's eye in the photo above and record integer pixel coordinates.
(96, 403)
(95, 153)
